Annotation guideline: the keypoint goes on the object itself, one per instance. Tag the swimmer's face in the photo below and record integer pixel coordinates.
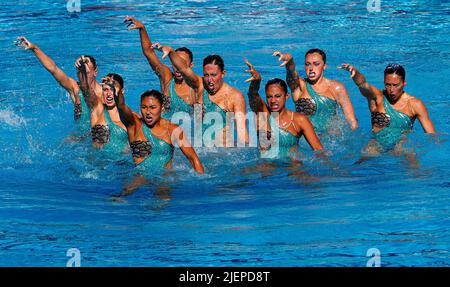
(108, 94)
(276, 98)
(185, 57)
(314, 66)
(151, 110)
(212, 78)
(394, 85)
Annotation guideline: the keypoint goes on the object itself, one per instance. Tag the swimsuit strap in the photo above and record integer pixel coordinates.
(292, 120)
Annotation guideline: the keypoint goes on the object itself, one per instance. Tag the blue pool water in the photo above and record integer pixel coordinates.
(56, 195)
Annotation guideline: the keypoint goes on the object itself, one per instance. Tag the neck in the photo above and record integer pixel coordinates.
(319, 81)
(154, 125)
(392, 99)
(281, 112)
(219, 91)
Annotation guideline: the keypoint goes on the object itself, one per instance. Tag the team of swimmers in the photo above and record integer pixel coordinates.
(152, 134)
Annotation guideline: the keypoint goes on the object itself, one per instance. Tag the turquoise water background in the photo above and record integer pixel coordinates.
(56, 195)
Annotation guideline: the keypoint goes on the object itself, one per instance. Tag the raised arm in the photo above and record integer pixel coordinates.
(69, 84)
(292, 77)
(159, 68)
(177, 135)
(367, 90)
(192, 79)
(257, 105)
(88, 83)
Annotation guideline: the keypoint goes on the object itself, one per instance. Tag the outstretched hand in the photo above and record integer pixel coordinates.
(110, 82)
(256, 76)
(23, 42)
(133, 23)
(81, 64)
(349, 68)
(164, 49)
(286, 57)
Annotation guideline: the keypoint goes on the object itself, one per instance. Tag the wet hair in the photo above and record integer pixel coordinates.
(92, 59)
(117, 78)
(155, 94)
(214, 60)
(187, 51)
(318, 51)
(279, 82)
(395, 69)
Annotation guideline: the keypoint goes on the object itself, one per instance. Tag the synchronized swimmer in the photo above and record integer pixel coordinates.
(152, 136)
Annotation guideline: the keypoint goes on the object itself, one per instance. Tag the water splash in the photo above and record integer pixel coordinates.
(11, 119)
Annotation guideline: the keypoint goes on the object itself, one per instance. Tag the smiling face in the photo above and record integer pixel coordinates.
(187, 59)
(212, 78)
(276, 98)
(314, 66)
(394, 85)
(151, 110)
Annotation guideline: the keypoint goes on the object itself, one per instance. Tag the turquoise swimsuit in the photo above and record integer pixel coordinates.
(398, 125)
(321, 110)
(176, 103)
(161, 152)
(282, 138)
(212, 107)
(118, 137)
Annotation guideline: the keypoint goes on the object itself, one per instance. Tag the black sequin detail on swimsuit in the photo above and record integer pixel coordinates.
(380, 120)
(100, 134)
(141, 148)
(77, 111)
(306, 106)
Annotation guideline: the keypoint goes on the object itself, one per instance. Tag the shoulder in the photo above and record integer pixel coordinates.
(237, 96)
(171, 126)
(417, 105)
(300, 119)
(337, 86)
(235, 93)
